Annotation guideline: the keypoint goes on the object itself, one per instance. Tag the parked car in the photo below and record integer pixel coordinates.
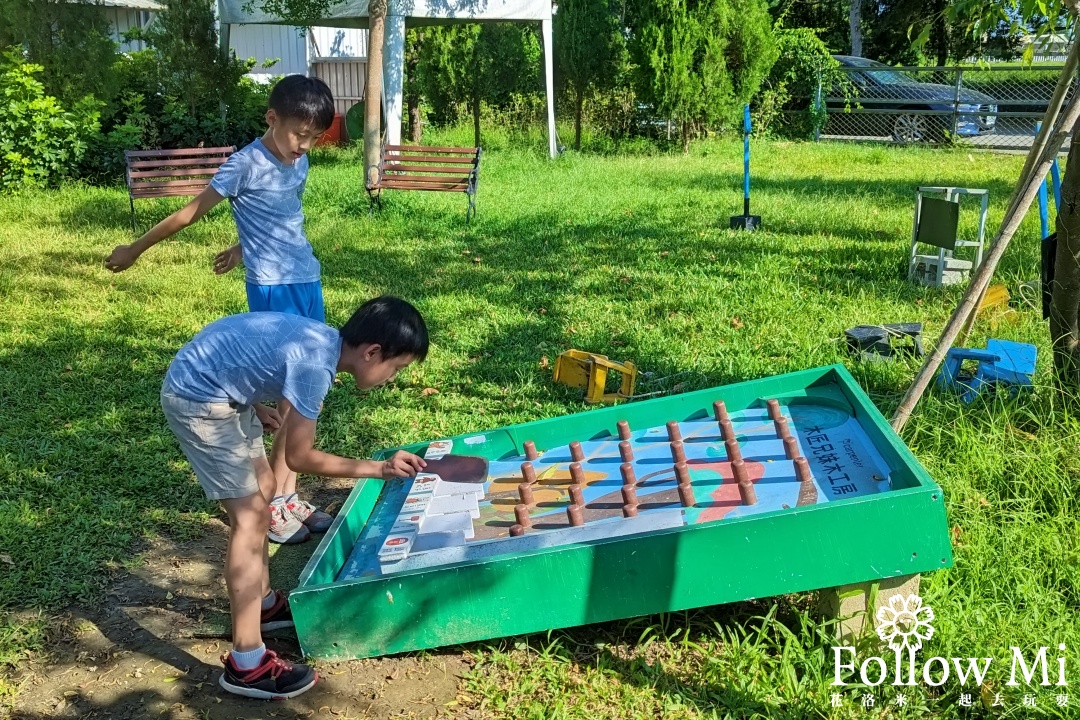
(925, 110)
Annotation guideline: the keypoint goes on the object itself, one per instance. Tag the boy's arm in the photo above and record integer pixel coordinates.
(124, 256)
(302, 457)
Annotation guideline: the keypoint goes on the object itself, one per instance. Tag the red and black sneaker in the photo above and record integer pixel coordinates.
(278, 615)
(273, 679)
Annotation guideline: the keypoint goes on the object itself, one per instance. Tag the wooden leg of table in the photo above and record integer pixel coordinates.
(856, 606)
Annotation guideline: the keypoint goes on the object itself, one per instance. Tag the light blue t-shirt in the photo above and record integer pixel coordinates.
(255, 357)
(265, 197)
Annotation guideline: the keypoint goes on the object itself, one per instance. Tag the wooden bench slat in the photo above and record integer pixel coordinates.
(429, 159)
(460, 187)
(430, 148)
(179, 153)
(184, 162)
(456, 169)
(189, 172)
(164, 192)
(429, 179)
(193, 182)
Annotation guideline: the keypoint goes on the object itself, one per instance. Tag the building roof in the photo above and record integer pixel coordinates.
(131, 4)
(354, 13)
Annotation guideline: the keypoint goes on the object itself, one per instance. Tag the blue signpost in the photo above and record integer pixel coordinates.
(746, 221)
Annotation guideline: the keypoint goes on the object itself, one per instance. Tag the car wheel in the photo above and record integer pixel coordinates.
(910, 128)
(920, 128)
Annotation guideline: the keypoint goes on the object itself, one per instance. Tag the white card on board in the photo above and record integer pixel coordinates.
(460, 521)
(454, 504)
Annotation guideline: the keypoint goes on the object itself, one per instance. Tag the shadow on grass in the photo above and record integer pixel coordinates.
(666, 655)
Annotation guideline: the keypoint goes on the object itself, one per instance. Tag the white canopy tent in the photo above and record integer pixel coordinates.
(353, 13)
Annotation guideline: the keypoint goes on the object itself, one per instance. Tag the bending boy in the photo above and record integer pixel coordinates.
(211, 397)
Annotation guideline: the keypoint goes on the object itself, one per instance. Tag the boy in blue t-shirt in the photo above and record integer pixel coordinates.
(211, 397)
(264, 183)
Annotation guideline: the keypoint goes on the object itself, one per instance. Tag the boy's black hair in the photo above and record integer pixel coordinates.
(303, 98)
(391, 323)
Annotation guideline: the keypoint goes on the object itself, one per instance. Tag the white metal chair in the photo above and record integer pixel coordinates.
(937, 219)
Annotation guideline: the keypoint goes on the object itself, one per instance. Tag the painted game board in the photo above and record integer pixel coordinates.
(841, 459)
(785, 484)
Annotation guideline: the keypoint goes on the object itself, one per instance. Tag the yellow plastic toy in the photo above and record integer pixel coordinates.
(589, 371)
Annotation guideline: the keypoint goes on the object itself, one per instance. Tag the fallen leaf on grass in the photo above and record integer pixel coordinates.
(429, 391)
(544, 363)
(477, 260)
(737, 323)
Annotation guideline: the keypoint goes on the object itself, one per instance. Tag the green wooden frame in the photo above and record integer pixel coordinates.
(900, 532)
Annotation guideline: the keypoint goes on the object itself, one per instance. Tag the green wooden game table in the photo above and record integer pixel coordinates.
(618, 512)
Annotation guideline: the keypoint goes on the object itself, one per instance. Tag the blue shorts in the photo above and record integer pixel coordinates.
(303, 299)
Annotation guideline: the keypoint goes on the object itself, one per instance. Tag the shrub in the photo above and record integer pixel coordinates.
(40, 141)
(787, 105)
(157, 111)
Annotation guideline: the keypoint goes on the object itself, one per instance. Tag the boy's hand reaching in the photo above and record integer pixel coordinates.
(268, 416)
(121, 258)
(227, 259)
(402, 464)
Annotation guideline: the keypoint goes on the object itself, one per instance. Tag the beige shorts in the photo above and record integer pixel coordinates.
(220, 441)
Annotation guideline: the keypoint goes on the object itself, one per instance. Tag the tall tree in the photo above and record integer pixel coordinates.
(474, 64)
(590, 48)
(699, 60)
(69, 40)
(191, 67)
(1046, 17)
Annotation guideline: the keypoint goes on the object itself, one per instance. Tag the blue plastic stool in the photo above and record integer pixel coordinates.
(1003, 362)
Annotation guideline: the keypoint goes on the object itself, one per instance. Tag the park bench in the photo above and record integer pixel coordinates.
(171, 173)
(436, 169)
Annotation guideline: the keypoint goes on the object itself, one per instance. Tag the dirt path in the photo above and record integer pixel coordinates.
(147, 653)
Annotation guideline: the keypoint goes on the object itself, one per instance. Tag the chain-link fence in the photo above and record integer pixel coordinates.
(992, 107)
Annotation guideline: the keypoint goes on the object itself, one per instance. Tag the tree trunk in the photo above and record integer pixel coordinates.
(855, 22)
(416, 131)
(686, 137)
(941, 35)
(579, 105)
(373, 91)
(412, 62)
(1065, 302)
(476, 118)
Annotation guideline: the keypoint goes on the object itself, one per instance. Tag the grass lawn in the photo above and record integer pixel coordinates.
(626, 256)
